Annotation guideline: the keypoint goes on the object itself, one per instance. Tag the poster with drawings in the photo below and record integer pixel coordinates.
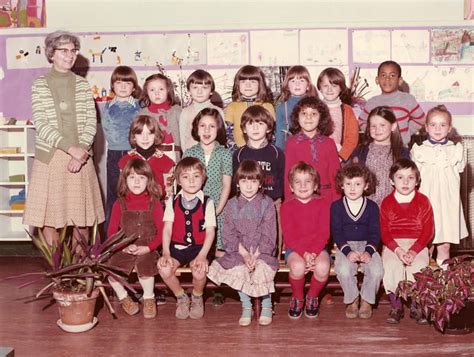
(323, 47)
(411, 46)
(185, 49)
(455, 45)
(26, 52)
(228, 48)
(274, 48)
(370, 46)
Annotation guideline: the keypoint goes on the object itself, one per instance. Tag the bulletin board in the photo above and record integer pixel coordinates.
(437, 63)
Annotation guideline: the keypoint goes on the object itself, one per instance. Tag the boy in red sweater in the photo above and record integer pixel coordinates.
(407, 226)
(305, 226)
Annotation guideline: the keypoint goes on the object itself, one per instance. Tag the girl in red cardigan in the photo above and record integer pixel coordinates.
(312, 125)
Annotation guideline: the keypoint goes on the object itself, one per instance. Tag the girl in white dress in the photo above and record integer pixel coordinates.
(440, 162)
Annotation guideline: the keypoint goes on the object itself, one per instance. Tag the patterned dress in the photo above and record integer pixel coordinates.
(220, 164)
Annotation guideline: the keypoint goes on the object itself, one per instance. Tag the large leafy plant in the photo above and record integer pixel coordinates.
(442, 293)
(77, 264)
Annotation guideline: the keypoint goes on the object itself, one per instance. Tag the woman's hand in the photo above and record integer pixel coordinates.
(74, 166)
(79, 154)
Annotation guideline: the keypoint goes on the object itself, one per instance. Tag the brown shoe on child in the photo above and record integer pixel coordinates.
(182, 308)
(365, 310)
(197, 307)
(352, 310)
(394, 316)
(129, 306)
(149, 308)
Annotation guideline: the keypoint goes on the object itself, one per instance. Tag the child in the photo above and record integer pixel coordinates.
(407, 110)
(257, 125)
(355, 228)
(249, 89)
(137, 211)
(145, 137)
(440, 161)
(249, 265)
(188, 233)
(407, 226)
(201, 87)
(116, 117)
(312, 125)
(380, 148)
(332, 85)
(208, 129)
(305, 225)
(297, 85)
(159, 102)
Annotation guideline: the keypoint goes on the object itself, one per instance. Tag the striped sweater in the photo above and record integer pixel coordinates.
(49, 136)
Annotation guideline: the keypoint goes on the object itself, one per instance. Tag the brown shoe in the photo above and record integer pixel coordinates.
(182, 308)
(149, 308)
(394, 316)
(365, 310)
(129, 306)
(352, 310)
(197, 307)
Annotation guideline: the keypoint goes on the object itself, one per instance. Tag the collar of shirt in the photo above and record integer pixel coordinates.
(198, 194)
(442, 142)
(404, 198)
(130, 100)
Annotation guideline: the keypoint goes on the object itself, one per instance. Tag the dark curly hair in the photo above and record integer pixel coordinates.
(325, 125)
(356, 170)
(221, 134)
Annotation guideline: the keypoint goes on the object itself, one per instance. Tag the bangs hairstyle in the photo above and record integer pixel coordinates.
(136, 127)
(171, 96)
(336, 77)
(221, 133)
(126, 74)
(396, 143)
(257, 113)
(325, 125)
(404, 164)
(390, 63)
(57, 39)
(305, 168)
(297, 72)
(189, 163)
(439, 109)
(250, 170)
(255, 73)
(200, 76)
(356, 170)
(140, 167)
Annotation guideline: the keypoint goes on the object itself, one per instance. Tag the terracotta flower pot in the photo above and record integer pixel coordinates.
(76, 309)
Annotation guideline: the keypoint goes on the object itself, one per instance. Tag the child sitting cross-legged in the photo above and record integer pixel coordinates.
(355, 228)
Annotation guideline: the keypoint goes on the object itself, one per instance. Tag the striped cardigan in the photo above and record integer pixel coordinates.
(45, 116)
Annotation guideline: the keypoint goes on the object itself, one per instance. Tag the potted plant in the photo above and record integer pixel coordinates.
(77, 271)
(446, 297)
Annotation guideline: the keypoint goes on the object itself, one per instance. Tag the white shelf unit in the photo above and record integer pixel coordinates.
(22, 136)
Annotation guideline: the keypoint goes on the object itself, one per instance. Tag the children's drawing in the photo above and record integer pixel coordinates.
(324, 47)
(182, 49)
(454, 45)
(264, 52)
(22, 13)
(228, 48)
(370, 46)
(411, 46)
(22, 53)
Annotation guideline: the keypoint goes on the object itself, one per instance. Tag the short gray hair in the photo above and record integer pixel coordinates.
(58, 38)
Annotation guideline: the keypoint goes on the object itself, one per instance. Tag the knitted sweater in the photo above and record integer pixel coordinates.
(168, 118)
(47, 118)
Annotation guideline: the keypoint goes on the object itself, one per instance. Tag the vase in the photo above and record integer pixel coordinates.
(461, 323)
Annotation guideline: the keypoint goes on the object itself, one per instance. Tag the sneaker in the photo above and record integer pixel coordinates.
(296, 308)
(182, 308)
(312, 307)
(197, 307)
(218, 299)
(352, 310)
(246, 317)
(149, 308)
(417, 315)
(266, 316)
(394, 316)
(129, 306)
(365, 311)
(160, 298)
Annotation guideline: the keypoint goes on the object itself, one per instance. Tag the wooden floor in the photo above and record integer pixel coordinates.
(33, 332)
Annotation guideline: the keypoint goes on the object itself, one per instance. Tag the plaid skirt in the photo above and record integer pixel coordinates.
(57, 197)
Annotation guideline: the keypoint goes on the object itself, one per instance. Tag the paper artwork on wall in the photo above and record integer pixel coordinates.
(26, 52)
(370, 46)
(274, 48)
(411, 46)
(323, 47)
(22, 13)
(452, 45)
(228, 48)
(183, 49)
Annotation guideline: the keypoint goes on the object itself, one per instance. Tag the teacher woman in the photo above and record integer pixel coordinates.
(64, 189)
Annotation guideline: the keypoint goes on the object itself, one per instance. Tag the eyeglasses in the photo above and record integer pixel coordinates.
(66, 51)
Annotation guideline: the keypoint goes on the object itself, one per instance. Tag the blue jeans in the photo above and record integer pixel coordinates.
(113, 174)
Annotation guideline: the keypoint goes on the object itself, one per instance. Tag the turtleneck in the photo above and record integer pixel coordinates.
(404, 198)
(333, 103)
(248, 100)
(155, 108)
(146, 153)
(133, 197)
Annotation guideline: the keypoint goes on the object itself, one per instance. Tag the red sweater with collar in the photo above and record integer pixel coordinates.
(407, 220)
